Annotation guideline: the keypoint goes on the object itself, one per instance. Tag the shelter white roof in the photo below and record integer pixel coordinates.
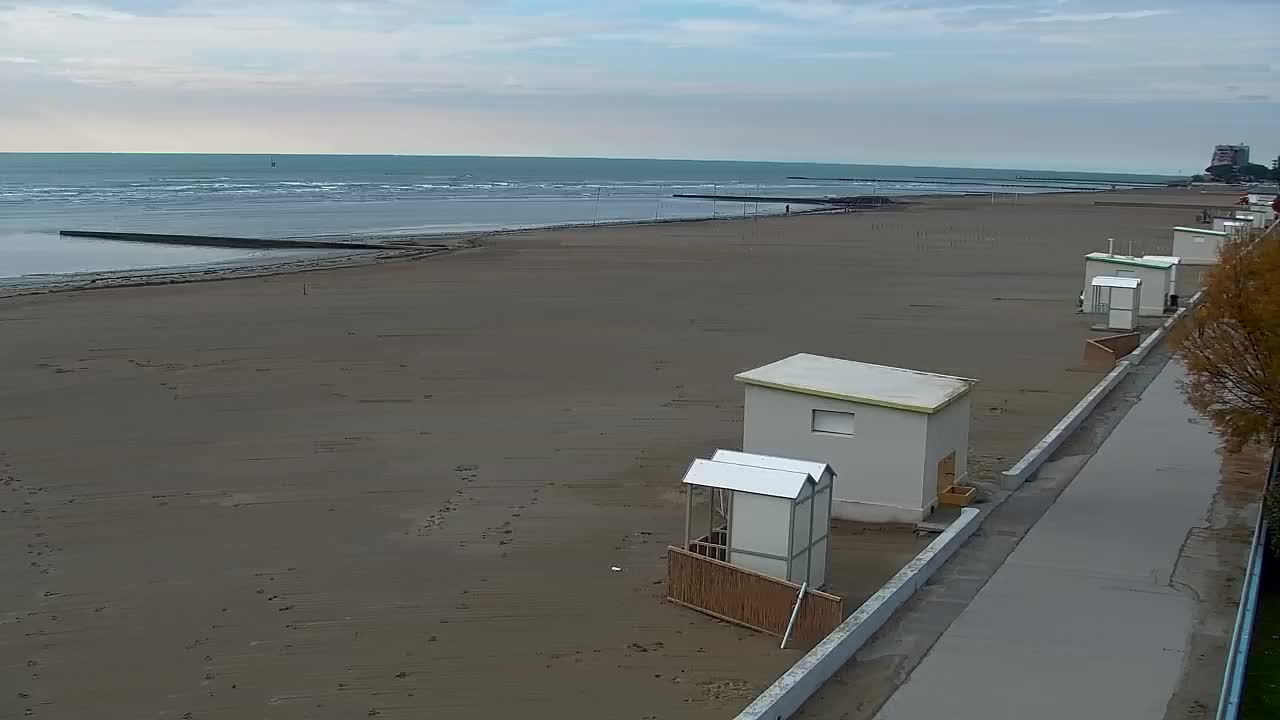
(746, 478)
(1171, 259)
(1116, 282)
(811, 468)
(859, 382)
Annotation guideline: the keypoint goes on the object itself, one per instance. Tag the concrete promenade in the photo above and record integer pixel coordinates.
(1086, 619)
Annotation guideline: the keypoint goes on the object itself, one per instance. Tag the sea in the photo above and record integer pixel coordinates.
(289, 196)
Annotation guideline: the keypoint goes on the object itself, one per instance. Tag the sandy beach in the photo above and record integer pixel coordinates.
(398, 490)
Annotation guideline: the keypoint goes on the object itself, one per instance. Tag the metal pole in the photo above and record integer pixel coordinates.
(1238, 650)
(715, 191)
(688, 515)
(657, 203)
(598, 189)
(794, 612)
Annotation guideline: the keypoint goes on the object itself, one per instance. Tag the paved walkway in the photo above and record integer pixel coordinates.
(1082, 621)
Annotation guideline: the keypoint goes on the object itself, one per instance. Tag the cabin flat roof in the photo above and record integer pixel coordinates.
(859, 382)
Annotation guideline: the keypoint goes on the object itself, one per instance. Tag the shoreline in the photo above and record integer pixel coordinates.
(399, 248)
(416, 245)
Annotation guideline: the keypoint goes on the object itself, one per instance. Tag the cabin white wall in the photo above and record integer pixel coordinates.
(948, 431)
(1151, 297)
(879, 469)
(1196, 248)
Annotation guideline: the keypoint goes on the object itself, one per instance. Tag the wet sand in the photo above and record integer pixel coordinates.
(398, 490)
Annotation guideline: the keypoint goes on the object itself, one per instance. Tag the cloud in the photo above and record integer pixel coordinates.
(698, 32)
(849, 55)
(1064, 39)
(496, 62)
(1094, 17)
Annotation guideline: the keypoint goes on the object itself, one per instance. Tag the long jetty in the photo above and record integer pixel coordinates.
(945, 181)
(860, 201)
(228, 242)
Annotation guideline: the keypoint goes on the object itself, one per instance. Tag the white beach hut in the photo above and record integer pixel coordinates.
(1255, 220)
(1174, 261)
(767, 514)
(1266, 211)
(896, 438)
(1237, 229)
(1117, 298)
(1155, 276)
(1198, 247)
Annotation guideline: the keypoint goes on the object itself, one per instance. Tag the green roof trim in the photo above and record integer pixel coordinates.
(1200, 230)
(1120, 260)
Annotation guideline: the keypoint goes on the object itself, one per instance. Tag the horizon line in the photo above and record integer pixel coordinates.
(586, 157)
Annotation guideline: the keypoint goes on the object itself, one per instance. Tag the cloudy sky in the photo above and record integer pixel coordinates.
(1144, 85)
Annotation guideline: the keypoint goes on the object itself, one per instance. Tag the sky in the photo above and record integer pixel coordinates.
(1107, 85)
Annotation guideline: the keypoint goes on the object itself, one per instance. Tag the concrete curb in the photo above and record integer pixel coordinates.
(1137, 356)
(1012, 478)
(796, 685)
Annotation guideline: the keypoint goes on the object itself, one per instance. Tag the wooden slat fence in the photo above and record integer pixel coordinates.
(737, 595)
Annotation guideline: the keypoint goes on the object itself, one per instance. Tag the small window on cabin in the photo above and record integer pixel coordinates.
(830, 422)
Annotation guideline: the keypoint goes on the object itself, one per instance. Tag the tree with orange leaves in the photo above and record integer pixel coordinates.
(1231, 344)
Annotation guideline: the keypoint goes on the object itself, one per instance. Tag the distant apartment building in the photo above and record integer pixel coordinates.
(1233, 155)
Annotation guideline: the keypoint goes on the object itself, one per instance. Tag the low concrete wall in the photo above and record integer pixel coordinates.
(790, 691)
(1137, 356)
(1013, 477)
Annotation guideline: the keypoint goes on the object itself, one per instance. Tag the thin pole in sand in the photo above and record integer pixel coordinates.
(794, 612)
(657, 203)
(755, 216)
(597, 220)
(715, 191)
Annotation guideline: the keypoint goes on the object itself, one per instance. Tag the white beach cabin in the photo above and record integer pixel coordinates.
(1255, 220)
(1174, 261)
(1155, 276)
(1237, 229)
(894, 437)
(1198, 247)
(1267, 213)
(771, 515)
(1117, 297)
